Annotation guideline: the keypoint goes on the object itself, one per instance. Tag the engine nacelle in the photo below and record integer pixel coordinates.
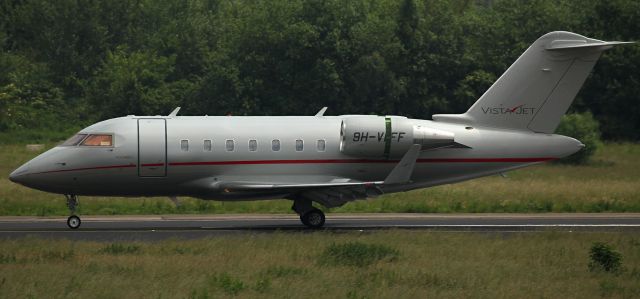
(387, 136)
(431, 138)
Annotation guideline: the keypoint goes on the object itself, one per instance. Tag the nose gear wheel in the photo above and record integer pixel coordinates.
(73, 222)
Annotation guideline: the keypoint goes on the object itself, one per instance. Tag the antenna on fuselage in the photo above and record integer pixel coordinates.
(174, 112)
(321, 112)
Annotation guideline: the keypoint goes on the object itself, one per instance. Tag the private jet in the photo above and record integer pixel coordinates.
(326, 160)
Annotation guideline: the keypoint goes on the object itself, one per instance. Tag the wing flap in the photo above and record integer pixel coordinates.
(248, 185)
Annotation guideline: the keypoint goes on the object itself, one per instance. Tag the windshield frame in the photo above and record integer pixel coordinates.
(76, 138)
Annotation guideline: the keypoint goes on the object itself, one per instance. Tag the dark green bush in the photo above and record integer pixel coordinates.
(584, 127)
(604, 257)
(284, 271)
(8, 259)
(357, 254)
(229, 284)
(117, 248)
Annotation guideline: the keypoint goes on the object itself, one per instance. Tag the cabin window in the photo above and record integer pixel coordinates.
(184, 145)
(322, 145)
(275, 145)
(207, 146)
(98, 140)
(229, 145)
(253, 145)
(74, 140)
(299, 145)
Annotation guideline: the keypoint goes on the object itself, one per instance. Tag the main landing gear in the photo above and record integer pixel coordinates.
(310, 216)
(72, 202)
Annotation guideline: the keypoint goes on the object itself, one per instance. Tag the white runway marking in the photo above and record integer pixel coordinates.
(512, 225)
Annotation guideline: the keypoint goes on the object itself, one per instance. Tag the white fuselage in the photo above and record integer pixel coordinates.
(170, 156)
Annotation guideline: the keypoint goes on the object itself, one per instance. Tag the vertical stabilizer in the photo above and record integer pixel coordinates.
(538, 88)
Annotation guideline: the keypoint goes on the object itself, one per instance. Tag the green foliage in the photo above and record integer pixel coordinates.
(38, 134)
(27, 97)
(357, 254)
(54, 256)
(262, 285)
(118, 248)
(82, 62)
(604, 258)
(433, 265)
(584, 127)
(135, 82)
(614, 102)
(231, 285)
(8, 259)
(283, 271)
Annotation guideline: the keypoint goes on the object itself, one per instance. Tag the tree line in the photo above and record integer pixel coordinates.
(68, 63)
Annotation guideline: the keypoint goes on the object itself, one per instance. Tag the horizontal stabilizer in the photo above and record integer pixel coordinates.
(581, 44)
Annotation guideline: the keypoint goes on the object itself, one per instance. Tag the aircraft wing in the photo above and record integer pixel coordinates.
(329, 191)
(400, 174)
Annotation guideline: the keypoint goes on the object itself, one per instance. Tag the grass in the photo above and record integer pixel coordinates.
(357, 254)
(34, 135)
(608, 184)
(117, 248)
(418, 264)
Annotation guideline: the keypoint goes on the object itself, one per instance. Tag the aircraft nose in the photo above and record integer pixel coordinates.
(17, 176)
(13, 177)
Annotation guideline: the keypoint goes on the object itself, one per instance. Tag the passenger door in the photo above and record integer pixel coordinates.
(152, 147)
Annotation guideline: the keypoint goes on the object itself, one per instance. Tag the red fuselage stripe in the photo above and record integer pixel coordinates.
(91, 168)
(484, 160)
(253, 162)
(326, 161)
(343, 161)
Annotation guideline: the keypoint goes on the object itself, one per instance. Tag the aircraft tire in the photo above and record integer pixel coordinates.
(73, 222)
(313, 219)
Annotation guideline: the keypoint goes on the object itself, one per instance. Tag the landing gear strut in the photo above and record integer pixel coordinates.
(72, 202)
(310, 216)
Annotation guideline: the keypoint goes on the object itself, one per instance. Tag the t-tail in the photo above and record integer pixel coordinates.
(538, 88)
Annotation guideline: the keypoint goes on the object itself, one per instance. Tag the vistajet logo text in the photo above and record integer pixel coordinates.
(517, 110)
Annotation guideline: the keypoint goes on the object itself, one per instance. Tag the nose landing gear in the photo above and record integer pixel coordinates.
(72, 202)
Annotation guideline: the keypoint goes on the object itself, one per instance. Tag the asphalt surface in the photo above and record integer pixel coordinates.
(149, 228)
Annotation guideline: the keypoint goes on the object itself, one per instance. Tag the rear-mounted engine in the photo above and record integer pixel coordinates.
(388, 136)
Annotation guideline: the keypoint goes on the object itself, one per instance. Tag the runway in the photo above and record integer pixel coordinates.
(149, 228)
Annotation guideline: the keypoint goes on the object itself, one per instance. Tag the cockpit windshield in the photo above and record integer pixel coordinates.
(74, 140)
(98, 140)
(89, 140)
